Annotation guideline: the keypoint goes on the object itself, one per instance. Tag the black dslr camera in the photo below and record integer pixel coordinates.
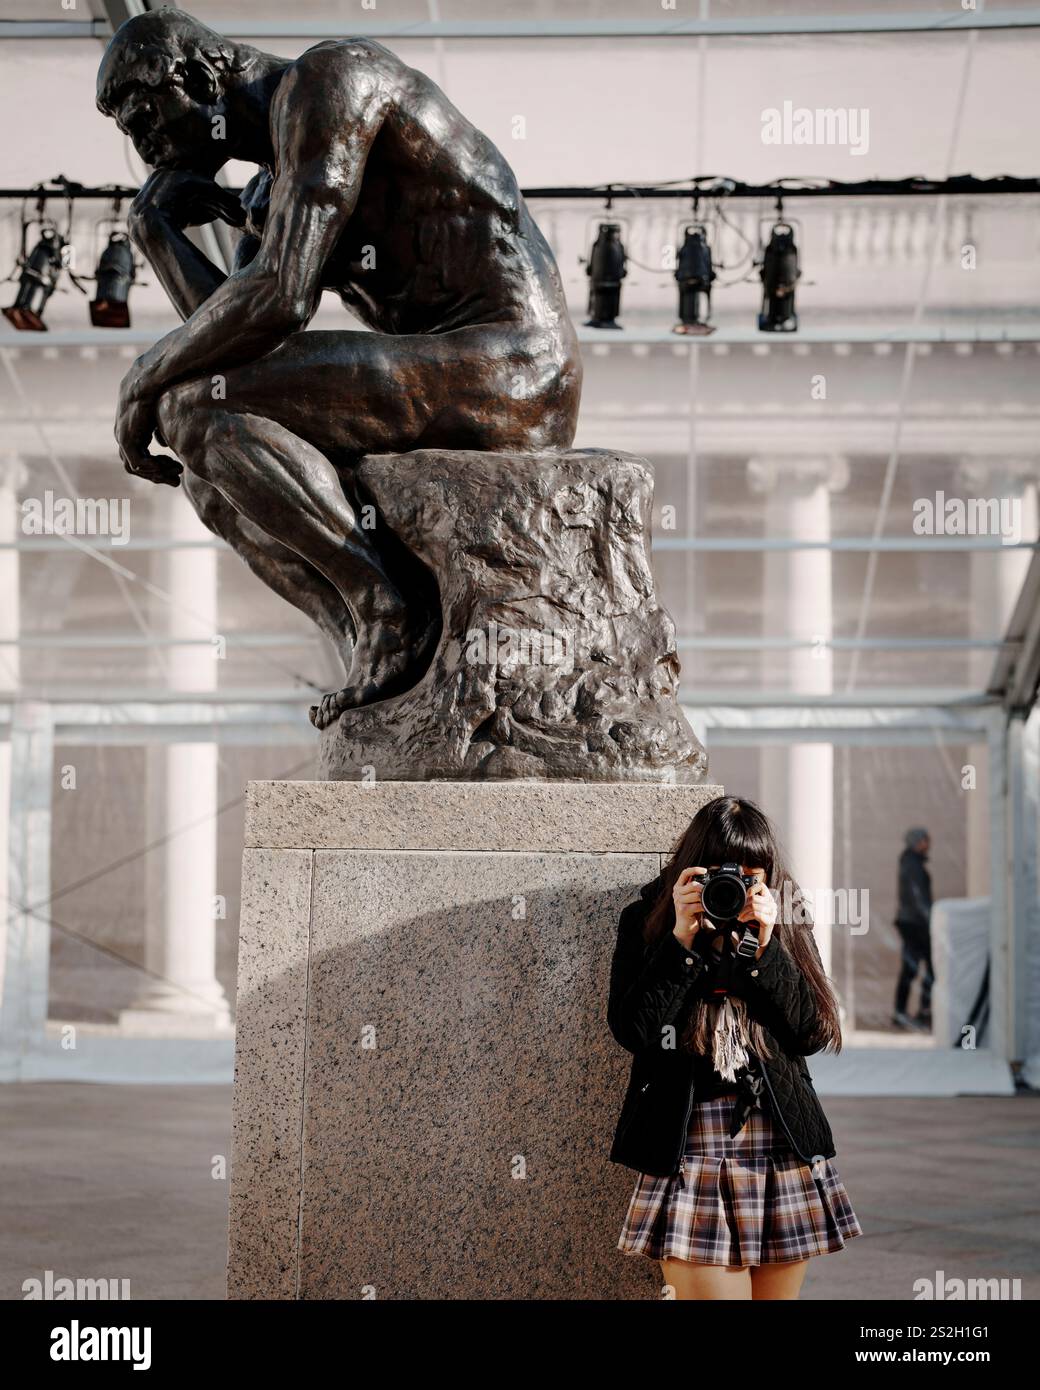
(723, 897)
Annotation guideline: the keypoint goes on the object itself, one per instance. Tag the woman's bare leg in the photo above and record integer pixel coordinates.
(779, 1280)
(691, 1280)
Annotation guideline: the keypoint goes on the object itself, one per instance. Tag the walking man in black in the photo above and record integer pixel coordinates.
(913, 922)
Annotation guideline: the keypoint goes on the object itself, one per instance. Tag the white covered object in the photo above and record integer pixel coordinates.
(960, 949)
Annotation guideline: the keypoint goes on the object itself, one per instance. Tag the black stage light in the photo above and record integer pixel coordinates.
(779, 274)
(694, 273)
(38, 275)
(606, 269)
(115, 274)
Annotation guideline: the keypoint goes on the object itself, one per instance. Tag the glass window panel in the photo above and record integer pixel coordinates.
(872, 795)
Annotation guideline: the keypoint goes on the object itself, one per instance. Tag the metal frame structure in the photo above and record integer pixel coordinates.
(1003, 716)
(380, 27)
(602, 339)
(697, 187)
(30, 1048)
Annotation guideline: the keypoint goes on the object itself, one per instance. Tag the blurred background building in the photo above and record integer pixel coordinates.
(854, 675)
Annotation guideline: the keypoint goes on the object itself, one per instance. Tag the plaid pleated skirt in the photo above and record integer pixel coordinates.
(749, 1200)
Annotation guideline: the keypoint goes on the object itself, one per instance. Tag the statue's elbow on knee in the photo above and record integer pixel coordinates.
(281, 313)
(177, 416)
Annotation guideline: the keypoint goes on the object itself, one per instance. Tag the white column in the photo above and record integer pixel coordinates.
(996, 581)
(181, 939)
(797, 779)
(27, 932)
(10, 671)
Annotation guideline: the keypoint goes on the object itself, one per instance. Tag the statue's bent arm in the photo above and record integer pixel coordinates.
(187, 275)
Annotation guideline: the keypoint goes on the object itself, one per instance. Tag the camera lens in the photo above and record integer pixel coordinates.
(723, 896)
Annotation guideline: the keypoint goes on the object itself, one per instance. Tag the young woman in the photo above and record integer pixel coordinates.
(736, 1191)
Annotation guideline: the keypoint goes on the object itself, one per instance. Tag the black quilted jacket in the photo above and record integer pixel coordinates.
(650, 989)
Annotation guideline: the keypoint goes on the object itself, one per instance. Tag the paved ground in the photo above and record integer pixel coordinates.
(118, 1180)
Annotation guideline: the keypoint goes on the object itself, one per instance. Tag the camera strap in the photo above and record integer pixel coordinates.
(730, 1041)
(748, 943)
(745, 949)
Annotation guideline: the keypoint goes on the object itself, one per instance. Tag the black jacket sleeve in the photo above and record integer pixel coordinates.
(648, 987)
(915, 890)
(780, 996)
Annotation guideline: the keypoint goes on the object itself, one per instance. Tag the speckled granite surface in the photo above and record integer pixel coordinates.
(271, 1011)
(556, 816)
(425, 1085)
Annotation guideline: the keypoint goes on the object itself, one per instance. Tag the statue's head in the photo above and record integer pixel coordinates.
(163, 80)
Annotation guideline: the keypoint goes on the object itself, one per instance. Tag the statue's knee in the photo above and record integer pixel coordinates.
(210, 506)
(180, 416)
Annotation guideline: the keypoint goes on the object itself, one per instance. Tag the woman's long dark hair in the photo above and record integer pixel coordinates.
(733, 830)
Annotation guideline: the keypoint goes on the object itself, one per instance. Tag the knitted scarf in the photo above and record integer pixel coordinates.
(724, 1019)
(730, 1040)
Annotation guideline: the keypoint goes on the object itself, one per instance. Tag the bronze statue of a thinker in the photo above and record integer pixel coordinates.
(370, 184)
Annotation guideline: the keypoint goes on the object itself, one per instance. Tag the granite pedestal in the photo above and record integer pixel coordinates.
(425, 1085)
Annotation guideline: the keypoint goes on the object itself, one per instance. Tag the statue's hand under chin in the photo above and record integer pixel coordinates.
(184, 199)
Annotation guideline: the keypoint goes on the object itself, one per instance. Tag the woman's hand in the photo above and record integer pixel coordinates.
(760, 908)
(686, 895)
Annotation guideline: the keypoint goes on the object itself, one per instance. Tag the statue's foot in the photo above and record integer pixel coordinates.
(386, 660)
(331, 707)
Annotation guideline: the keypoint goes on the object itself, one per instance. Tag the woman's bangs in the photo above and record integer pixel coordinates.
(741, 844)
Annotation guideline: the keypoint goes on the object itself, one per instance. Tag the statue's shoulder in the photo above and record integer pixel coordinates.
(353, 55)
(348, 68)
